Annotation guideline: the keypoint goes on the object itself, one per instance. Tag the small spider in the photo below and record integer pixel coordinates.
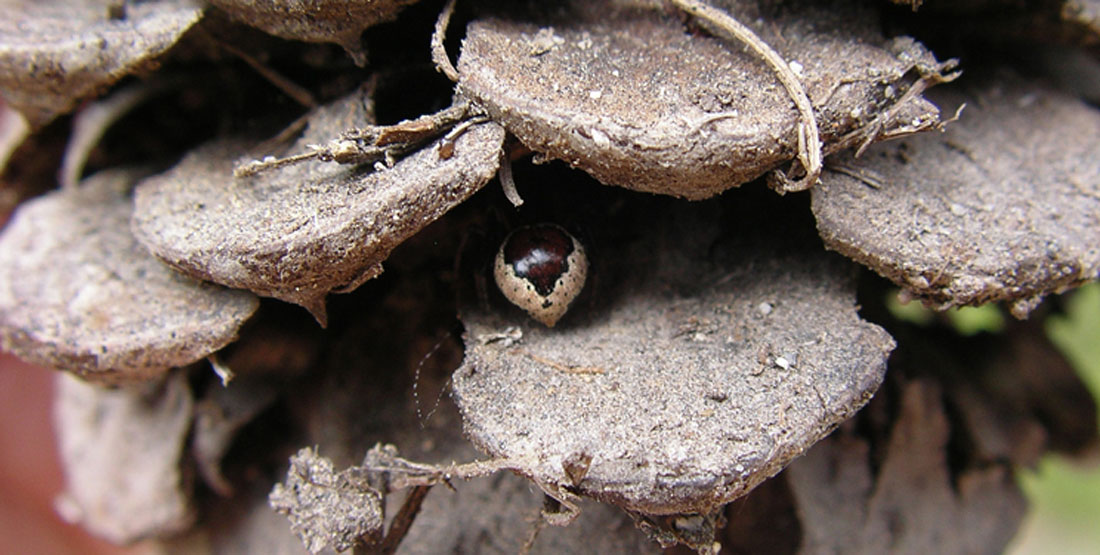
(541, 269)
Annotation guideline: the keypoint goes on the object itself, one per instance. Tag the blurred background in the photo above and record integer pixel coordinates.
(1065, 494)
(30, 475)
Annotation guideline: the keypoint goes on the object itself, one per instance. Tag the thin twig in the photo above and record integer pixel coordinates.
(536, 527)
(809, 140)
(289, 133)
(300, 94)
(404, 474)
(912, 92)
(372, 143)
(439, 53)
(873, 132)
(366, 95)
(254, 167)
(403, 520)
(872, 181)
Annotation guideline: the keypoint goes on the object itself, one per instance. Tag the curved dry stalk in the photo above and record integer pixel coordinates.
(93, 122)
(508, 181)
(439, 53)
(809, 139)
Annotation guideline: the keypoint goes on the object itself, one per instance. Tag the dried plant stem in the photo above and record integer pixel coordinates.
(395, 473)
(439, 53)
(875, 131)
(863, 175)
(911, 93)
(376, 143)
(254, 167)
(550, 504)
(536, 527)
(403, 520)
(809, 139)
(406, 474)
(298, 93)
